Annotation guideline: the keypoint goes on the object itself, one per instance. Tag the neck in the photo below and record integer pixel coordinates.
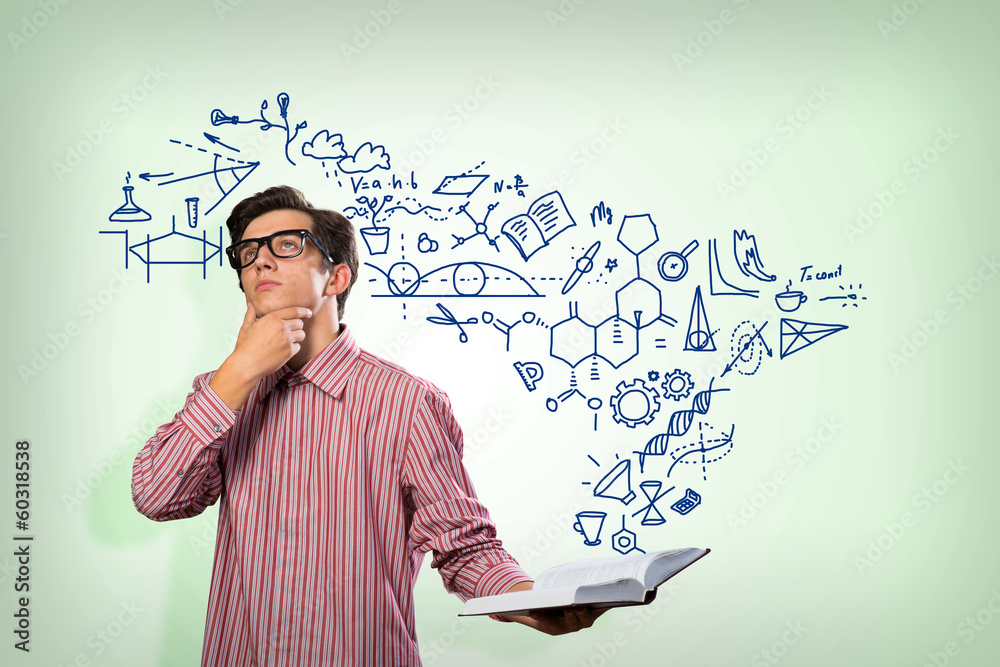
(321, 329)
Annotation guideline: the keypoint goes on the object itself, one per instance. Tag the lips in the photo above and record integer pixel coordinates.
(266, 284)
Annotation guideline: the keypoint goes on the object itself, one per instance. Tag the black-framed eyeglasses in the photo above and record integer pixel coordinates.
(286, 243)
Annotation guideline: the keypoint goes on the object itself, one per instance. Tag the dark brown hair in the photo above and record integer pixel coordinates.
(334, 231)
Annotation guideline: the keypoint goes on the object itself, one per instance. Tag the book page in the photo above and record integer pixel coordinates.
(595, 571)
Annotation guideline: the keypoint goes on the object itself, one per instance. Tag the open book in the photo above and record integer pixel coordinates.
(593, 582)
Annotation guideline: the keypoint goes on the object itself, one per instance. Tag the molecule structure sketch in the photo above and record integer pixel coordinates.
(625, 541)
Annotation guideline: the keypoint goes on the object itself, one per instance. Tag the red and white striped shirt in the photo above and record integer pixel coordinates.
(334, 480)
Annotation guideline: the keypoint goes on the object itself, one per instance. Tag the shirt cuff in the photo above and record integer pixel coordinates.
(207, 415)
(500, 578)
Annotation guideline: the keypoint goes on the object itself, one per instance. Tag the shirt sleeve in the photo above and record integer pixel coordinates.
(176, 474)
(449, 520)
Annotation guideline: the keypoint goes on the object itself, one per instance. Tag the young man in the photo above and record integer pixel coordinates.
(336, 470)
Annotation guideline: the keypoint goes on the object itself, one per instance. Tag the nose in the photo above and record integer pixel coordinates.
(265, 258)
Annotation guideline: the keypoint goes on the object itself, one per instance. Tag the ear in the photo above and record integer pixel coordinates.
(340, 279)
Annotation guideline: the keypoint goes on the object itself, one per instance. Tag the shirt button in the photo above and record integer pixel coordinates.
(180, 473)
(216, 428)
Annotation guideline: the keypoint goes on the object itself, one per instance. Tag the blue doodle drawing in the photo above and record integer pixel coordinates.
(460, 184)
(849, 299)
(365, 159)
(601, 213)
(673, 266)
(717, 283)
(617, 483)
(589, 524)
(129, 211)
(748, 346)
(465, 279)
(174, 247)
(700, 337)
(530, 373)
(217, 118)
(547, 218)
(426, 244)
(677, 385)
(480, 228)
(748, 257)
(527, 318)
(797, 335)
(583, 265)
(518, 186)
(790, 300)
(679, 424)
(652, 516)
(719, 447)
(226, 178)
(690, 500)
(624, 541)
(634, 403)
(449, 320)
(325, 146)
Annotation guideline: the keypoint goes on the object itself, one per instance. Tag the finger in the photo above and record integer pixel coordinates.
(293, 325)
(292, 312)
(250, 317)
(296, 336)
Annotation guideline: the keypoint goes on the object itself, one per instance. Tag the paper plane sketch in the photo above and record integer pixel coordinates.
(547, 218)
(797, 335)
(460, 184)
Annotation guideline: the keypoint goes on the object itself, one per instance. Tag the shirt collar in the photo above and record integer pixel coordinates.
(329, 370)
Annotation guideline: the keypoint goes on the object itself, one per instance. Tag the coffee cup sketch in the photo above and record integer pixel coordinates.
(789, 301)
(589, 525)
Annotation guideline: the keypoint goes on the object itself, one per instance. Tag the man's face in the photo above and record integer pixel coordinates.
(272, 283)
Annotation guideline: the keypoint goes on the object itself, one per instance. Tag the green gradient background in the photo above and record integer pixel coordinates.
(686, 129)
